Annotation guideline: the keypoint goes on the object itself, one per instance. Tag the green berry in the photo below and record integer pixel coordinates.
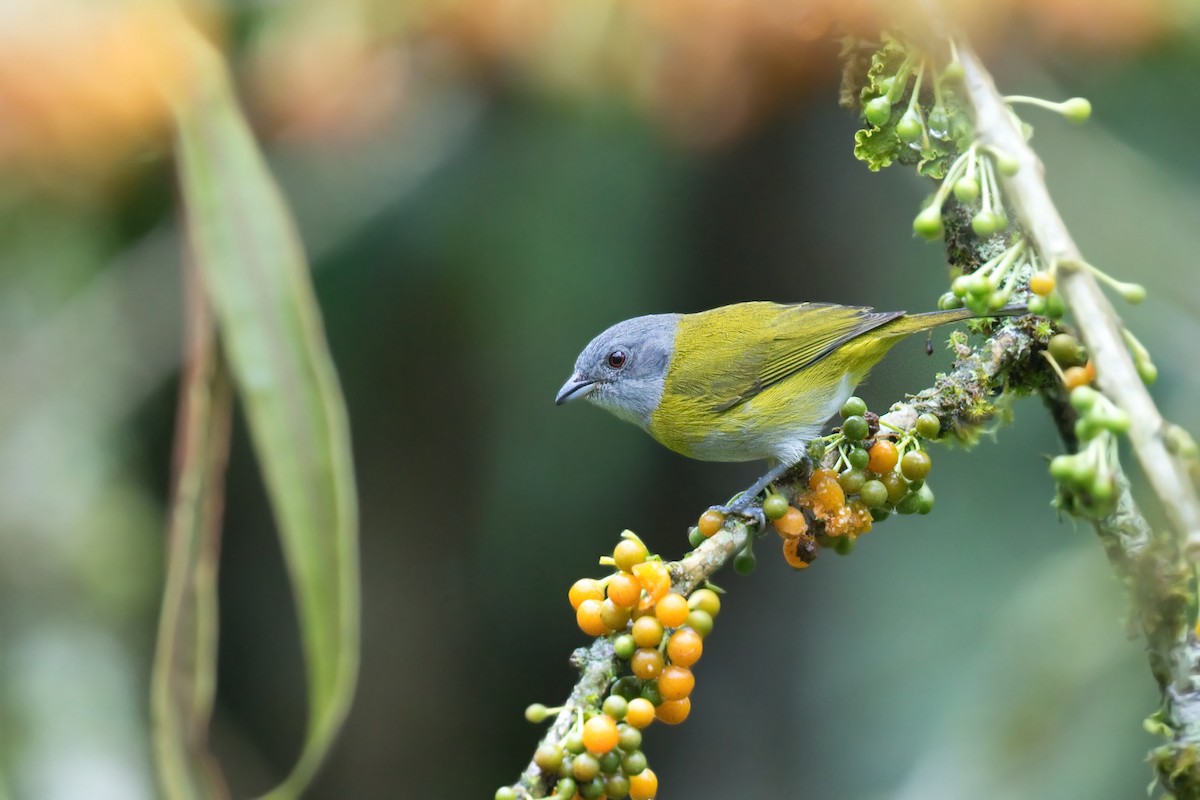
(1066, 350)
(855, 428)
(1062, 468)
(1146, 371)
(844, 545)
(953, 73)
(859, 458)
(593, 789)
(966, 190)
(1084, 397)
(878, 111)
(536, 712)
(873, 494)
(695, 537)
(1133, 293)
(960, 285)
(928, 426)
(506, 793)
(896, 486)
(853, 407)
(915, 465)
(627, 687)
(585, 766)
(700, 621)
(565, 789)
(548, 757)
(633, 763)
(744, 562)
(1006, 164)
(985, 223)
(651, 693)
(909, 504)
(925, 498)
(949, 301)
(624, 646)
(610, 762)
(928, 224)
(910, 127)
(880, 514)
(1054, 306)
(775, 506)
(1036, 305)
(615, 706)
(1076, 110)
(616, 787)
(574, 742)
(629, 738)
(852, 480)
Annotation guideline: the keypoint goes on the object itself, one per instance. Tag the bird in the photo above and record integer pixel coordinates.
(743, 382)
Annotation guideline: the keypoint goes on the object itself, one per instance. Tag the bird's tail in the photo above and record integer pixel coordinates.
(914, 323)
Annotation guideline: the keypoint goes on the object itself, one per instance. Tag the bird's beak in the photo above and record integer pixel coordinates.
(573, 389)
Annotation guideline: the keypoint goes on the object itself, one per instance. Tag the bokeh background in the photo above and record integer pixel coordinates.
(483, 185)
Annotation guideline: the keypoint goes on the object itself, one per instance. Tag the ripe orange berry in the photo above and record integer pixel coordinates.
(1074, 377)
(655, 579)
(884, 456)
(647, 663)
(826, 490)
(600, 734)
(1041, 284)
(584, 589)
(1090, 369)
(644, 785)
(624, 590)
(640, 712)
(676, 682)
(684, 647)
(792, 523)
(672, 610)
(710, 522)
(673, 712)
(647, 631)
(629, 552)
(589, 619)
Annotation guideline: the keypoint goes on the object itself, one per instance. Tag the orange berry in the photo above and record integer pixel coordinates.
(673, 712)
(1074, 377)
(884, 456)
(710, 522)
(624, 590)
(647, 663)
(584, 589)
(629, 552)
(647, 631)
(820, 476)
(676, 682)
(644, 785)
(684, 647)
(792, 523)
(1041, 284)
(795, 551)
(640, 712)
(1090, 369)
(589, 618)
(672, 610)
(655, 579)
(600, 734)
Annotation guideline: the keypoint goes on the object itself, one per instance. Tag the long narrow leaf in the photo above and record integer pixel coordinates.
(251, 260)
(184, 678)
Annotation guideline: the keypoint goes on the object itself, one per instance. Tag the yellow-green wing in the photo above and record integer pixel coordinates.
(782, 340)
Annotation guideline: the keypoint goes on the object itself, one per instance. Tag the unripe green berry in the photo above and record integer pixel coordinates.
(593, 789)
(873, 494)
(616, 787)
(844, 545)
(629, 738)
(949, 301)
(574, 742)
(585, 766)
(1006, 164)
(928, 223)
(506, 793)
(928, 426)
(548, 757)
(536, 712)
(744, 562)
(650, 692)
(966, 190)
(859, 457)
(695, 537)
(775, 506)
(1076, 110)
(915, 465)
(1146, 371)
(853, 407)
(881, 513)
(985, 223)
(925, 500)
(1054, 306)
(1133, 293)
(615, 706)
(855, 428)
(700, 621)
(910, 127)
(878, 111)
(909, 503)
(1066, 350)
(634, 763)
(565, 789)
(628, 686)
(852, 480)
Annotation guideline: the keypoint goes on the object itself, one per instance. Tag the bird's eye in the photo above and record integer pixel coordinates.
(616, 359)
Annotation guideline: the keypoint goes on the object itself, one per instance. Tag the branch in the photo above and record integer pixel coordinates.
(1097, 321)
(1157, 568)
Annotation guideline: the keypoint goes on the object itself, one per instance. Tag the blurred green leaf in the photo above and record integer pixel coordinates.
(251, 261)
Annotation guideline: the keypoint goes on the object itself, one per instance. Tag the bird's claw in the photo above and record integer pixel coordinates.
(743, 508)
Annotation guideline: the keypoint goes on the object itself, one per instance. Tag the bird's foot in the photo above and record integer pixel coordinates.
(744, 506)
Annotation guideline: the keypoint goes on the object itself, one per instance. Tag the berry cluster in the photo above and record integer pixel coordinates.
(658, 635)
(992, 285)
(886, 471)
(1087, 479)
(971, 177)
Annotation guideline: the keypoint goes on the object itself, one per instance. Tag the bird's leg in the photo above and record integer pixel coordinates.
(740, 505)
